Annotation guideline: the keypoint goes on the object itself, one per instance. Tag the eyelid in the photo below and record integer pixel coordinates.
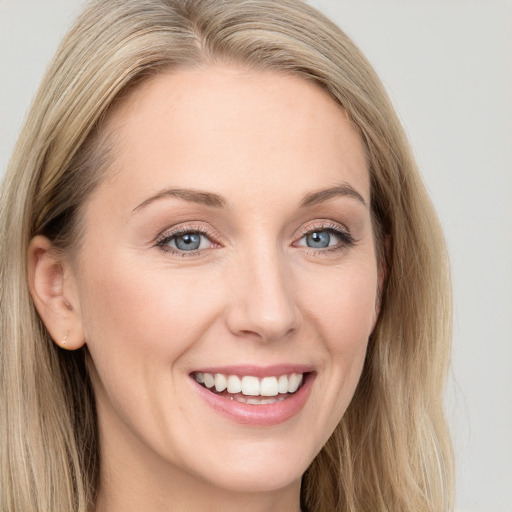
(200, 228)
(188, 227)
(206, 230)
(324, 225)
(347, 239)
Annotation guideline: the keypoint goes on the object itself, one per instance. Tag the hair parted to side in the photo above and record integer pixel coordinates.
(391, 451)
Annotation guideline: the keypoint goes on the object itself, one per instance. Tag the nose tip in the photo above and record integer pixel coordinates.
(272, 326)
(264, 305)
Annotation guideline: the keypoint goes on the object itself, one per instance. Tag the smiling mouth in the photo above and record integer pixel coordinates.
(249, 389)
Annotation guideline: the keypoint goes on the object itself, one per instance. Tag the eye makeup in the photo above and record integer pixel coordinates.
(319, 237)
(188, 240)
(315, 238)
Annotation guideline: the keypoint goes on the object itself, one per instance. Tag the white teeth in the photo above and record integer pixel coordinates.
(249, 385)
(209, 380)
(294, 382)
(269, 386)
(234, 384)
(283, 384)
(220, 382)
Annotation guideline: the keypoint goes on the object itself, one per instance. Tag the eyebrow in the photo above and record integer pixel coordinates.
(216, 201)
(190, 195)
(324, 195)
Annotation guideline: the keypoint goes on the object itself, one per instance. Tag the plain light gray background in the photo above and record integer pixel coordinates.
(447, 65)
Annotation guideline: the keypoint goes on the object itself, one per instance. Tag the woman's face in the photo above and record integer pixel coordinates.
(231, 243)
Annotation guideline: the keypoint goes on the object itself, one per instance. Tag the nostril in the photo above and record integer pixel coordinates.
(251, 324)
(263, 301)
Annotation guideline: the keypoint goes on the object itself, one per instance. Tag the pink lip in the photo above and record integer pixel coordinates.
(257, 415)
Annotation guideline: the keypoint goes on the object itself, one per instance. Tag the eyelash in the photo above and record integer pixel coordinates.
(168, 236)
(347, 240)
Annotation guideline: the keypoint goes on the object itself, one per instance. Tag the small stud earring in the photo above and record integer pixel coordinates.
(65, 339)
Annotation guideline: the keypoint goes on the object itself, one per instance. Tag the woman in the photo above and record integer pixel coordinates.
(223, 284)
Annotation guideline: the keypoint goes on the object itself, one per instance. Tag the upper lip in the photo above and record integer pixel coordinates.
(255, 370)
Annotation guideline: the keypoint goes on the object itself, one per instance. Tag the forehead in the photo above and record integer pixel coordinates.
(229, 129)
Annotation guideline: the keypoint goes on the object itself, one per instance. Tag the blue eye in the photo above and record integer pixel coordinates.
(318, 239)
(326, 238)
(187, 241)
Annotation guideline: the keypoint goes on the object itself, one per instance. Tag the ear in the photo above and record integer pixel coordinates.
(54, 294)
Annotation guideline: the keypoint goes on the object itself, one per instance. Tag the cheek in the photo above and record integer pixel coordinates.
(343, 308)
(344, 304)
(136, 315)
(140, 325)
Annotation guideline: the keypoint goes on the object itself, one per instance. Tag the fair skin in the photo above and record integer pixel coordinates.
(255, 275)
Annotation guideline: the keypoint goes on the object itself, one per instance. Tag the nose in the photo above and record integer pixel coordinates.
(263, 303)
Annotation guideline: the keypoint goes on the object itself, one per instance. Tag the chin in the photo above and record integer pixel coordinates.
(249, 467)
(257, 479)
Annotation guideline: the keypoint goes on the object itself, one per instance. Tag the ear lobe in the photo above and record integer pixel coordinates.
(53, 293)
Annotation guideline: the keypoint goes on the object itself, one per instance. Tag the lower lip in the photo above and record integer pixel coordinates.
(259, 415)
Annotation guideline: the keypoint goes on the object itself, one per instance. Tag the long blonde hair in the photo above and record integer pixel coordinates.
(391, 450)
